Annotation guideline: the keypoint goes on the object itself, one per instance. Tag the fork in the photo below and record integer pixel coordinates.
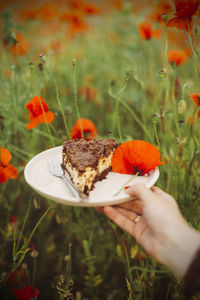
(55, 169)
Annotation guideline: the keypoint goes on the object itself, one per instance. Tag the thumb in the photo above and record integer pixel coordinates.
(139, 191)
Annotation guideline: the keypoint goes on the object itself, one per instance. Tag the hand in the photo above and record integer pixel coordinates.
(161, 229)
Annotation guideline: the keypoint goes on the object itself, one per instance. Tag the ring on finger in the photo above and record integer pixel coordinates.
(137, 219)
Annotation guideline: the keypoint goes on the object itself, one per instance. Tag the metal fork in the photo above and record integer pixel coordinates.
(55, 169)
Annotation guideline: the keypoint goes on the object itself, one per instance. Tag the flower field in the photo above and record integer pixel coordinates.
(127, 70)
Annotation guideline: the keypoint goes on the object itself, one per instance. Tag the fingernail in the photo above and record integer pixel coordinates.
(127, 187)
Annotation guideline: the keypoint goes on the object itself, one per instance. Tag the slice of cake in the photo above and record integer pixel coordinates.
(87, 161)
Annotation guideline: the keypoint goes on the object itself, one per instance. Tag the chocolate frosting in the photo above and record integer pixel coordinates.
(83, 154)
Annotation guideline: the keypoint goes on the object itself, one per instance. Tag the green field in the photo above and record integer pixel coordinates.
(95, 62)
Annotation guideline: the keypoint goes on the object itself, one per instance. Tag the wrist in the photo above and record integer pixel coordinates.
(181, 247)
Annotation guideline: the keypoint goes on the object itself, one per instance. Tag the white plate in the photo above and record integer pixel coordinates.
(38, 177)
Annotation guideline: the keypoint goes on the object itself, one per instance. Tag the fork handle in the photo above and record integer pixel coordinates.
(72, 188)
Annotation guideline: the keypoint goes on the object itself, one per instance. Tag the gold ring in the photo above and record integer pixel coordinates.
(137, 219)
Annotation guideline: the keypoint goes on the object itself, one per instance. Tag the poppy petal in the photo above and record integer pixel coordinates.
(48, 118)
(180, 23)
(35, 106)
(87, 126)
(195, 98)
(185, 8)
(135, 157)
(33, 123)
(3, 175)
(5, 156)
(11, 171)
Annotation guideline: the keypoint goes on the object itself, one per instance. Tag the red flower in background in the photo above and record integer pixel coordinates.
(146, 32)
(28, 292)
(135, 157)
(160, 8)
(185, 9)
(88, 93)
(38, 112)
(196, 99)
(75, 20)
(28, 14)
(47, 11)
(17, 277)
(21, 45)
(90, 8)
(84, 7)
(176, 56)
(88, 127)
(6, 170)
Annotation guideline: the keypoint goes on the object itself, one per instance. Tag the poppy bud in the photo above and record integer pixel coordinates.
(73, 61)
(42, 58)
(128, 74)
(164, 17)
(154, 116)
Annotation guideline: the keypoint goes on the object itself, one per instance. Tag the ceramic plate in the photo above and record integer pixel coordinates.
(38, 177)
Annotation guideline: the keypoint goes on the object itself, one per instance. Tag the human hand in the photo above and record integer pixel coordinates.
(161, 229)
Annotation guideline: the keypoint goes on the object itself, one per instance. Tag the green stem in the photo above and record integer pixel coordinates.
(52, 206)
(171, 172)
(156, 134)
(166, 50)
(133, 114)
(188, 35)
(34, 271)
(118, 121)
(25, 219)
(24, 152)
(129, 180)
(58, 100)
(75, 95)
(116, 110)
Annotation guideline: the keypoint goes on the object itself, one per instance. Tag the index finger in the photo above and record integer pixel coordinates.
(140, 191)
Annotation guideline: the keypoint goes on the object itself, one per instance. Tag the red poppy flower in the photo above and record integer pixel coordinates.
(89, 129)
(21, 46)
(185, 9)
(28, 14)
(135, 157)
(38, 112)
(176, 56)
(160, 8)
(6, 170)
(196, 98)
(17, 277)
(88, 93)
(28, 292)
(90, 8)
(146, 32)
(13, 219)
(47, 11)
(76, 21)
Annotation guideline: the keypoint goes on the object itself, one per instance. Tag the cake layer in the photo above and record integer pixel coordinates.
(87, 161)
